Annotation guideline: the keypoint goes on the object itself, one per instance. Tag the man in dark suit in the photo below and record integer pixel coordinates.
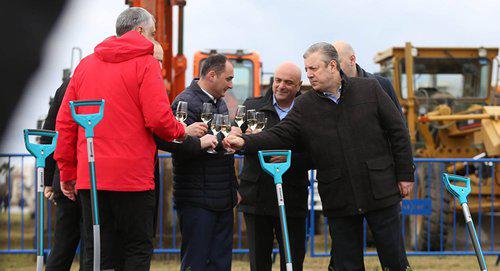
(347, 61)
(357, 140)
(257, 189)
(205, 184)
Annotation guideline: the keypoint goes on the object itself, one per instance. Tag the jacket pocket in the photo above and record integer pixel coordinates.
(331, 189)
(382, 177)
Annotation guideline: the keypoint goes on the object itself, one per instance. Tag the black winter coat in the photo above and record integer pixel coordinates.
(360, 147)
(384, 83)
(51, 170)
(257, 188)
(201, 179)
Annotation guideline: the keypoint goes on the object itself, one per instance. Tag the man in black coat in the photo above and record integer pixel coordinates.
(257, 189)
(205, 184)
(357, 140)
(347, 59)
(68, 213)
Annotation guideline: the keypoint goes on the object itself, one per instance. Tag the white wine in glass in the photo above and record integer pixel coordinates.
(181, 114)
(239, 118)
(261, 120)
(225, 125)
(206, 113)
(215, 127)
(251, 119)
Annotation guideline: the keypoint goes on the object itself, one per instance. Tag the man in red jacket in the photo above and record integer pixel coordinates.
(122, 71)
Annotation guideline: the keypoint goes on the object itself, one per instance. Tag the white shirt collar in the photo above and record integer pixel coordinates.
(209, 95)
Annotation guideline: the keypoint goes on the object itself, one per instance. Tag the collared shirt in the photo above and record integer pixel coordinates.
(209, 95)
(333, 97)
(282, 112)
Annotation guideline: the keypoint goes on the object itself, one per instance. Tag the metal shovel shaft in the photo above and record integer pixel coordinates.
(284, 226)
(40, 216)
(95, 206)
(473, 237)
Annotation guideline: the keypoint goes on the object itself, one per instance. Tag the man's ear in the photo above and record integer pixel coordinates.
(333, 66)
(211, 75)
(352, 59)
(139, 29)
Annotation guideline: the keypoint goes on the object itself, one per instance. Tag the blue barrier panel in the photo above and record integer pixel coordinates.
(421, 212)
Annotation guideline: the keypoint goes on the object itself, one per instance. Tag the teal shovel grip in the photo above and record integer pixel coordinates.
(87, 121)
(40, 151)
(458, 192)
(275, 169)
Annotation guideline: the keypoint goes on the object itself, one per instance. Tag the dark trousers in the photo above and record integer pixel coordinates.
(261, 231)
(126, 222)
(207, 239)
(66, 235)
(347, 240)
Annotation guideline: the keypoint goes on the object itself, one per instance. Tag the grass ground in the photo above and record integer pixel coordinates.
(425, 263)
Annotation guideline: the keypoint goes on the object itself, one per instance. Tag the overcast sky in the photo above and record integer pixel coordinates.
(278, 30)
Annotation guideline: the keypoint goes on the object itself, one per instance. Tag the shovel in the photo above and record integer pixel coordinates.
(461, 192)
(40, 151)
(277, 170)
(88, 122)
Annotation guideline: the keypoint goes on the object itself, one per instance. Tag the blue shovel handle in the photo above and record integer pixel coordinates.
(40, 151)
(87, 121)
(275, 169)
(458, 192)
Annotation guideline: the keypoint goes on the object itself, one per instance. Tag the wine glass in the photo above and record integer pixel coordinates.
(181, 114)
(251, 119)
(225, 127)
(207, 113)
(215, 126)
(239, 118)
(261, 120)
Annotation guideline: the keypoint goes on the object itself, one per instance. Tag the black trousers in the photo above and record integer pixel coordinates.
(347, 240)
(261, 231)
(66, 235)
(126, 222)
(207, 239)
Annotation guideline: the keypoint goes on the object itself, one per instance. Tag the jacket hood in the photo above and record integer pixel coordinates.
(120, 49)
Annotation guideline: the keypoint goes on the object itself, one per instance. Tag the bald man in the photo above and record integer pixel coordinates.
(257, 189)
(348, 64)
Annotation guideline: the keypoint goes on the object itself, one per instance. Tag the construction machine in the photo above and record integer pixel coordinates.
(247, 74)
(449, 102)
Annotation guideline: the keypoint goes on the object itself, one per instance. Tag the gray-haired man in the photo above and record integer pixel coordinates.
(358, 141)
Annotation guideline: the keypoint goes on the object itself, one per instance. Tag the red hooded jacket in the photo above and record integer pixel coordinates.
(124, 73)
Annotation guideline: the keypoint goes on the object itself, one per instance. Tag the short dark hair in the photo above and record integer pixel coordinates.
(214, 62)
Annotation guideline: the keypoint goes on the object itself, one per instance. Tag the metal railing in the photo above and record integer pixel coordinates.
(429, 204)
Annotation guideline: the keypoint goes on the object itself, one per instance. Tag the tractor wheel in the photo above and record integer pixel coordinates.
(433, 230)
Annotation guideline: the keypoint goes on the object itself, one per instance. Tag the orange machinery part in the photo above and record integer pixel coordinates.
(174, 71)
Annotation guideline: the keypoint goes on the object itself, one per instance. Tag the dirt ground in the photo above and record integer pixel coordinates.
(418, 263)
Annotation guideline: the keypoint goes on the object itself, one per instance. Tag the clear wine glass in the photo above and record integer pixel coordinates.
(215, 126)
(261, 120)
(251, 119)
(181, 114)
(239, 118)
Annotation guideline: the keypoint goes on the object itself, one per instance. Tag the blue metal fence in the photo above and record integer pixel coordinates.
(432, 221)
